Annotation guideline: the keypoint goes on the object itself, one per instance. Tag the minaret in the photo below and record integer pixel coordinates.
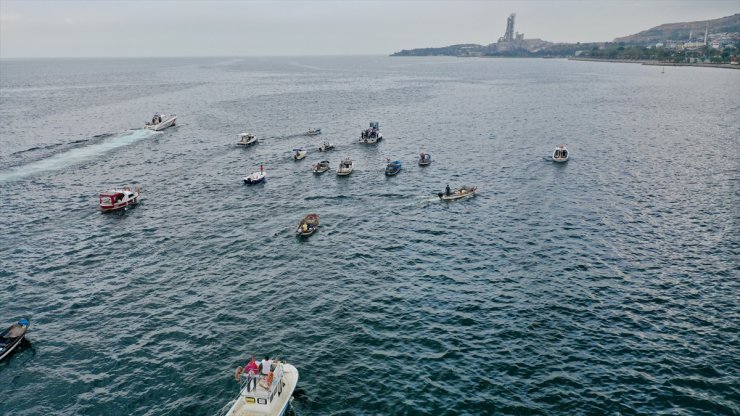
(706, 32)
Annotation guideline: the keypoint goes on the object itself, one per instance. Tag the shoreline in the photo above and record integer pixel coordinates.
(655, 63)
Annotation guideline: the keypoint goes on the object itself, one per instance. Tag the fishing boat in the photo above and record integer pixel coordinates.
(392, 168)
(269, 395)
(425, 159)
(460, 193)
(326, 147)
(345, 167)
(320, 167)
(560, 154)
(12, 337)
(308, 225)
(298, 154)
(115, 199)
(246, 139)
(161, 121)
(371, 135)
(313, 132)
(255, 177)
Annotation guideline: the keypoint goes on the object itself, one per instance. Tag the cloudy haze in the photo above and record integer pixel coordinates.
(244, 28)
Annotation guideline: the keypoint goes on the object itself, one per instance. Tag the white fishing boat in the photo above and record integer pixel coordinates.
(246, 139)
(12, 337)
(255, 177)
(560, 154)
(460, 193)
(161, 121)
(298, 154)
(345, 167)
(320, 167)
(425, 159)
(262, 395)
(371, 135)
(313, 132)
(326, 147)
(115, 199)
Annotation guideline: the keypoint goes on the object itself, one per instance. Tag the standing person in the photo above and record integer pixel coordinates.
(261, 168)
(447, 190)
(251, 367)
(266, 366)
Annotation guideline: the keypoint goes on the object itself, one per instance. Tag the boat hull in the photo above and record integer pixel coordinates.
(10, 343)
(344, 172)
(247, 143)
(121, 205)
(169, 122)
(254, 179)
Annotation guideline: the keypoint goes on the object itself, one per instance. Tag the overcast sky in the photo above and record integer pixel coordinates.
(126, 28)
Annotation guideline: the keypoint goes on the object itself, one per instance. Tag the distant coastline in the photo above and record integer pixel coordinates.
(655, 63)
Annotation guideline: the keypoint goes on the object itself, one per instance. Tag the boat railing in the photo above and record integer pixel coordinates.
(254, 392)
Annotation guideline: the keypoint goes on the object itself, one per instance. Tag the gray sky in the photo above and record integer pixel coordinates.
(61, 28)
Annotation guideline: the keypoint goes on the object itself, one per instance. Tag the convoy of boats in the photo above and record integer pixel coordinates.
(263, 394)
(115, 199)
(11, 338)
(161, 121)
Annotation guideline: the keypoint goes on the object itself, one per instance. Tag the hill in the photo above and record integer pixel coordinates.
(680, 31)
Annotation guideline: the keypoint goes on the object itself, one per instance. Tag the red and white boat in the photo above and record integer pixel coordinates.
(116, 199)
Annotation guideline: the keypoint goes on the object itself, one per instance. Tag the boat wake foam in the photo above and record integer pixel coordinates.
(76, 155)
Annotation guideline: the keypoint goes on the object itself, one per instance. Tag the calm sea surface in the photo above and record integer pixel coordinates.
(607, 285)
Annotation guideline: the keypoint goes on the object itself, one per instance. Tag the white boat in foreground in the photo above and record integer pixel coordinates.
(560, 154)
(460, 193)
(115, 199)
(246, 139)
(161, 121)
(266, 395)
(345, 167)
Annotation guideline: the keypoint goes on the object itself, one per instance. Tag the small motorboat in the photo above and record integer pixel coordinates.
(320, 167)
(246, 139)
(308, 225)
(313, 132)
(161, 121)
(345, 167)
(12, 337)
(560, 154)
(116, 199)
(265, 395)
(425, 159)
(371, 135)
(326, 147)
(255, 177)
(392, 168)
(298, 154)
(460, 193)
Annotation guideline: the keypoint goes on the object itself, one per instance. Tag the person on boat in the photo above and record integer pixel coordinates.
(261, 168)
(266, 366)
(447, 190)
(252, 367)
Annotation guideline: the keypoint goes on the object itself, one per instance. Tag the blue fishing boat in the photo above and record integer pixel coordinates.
(392, 168)
(425, 159)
